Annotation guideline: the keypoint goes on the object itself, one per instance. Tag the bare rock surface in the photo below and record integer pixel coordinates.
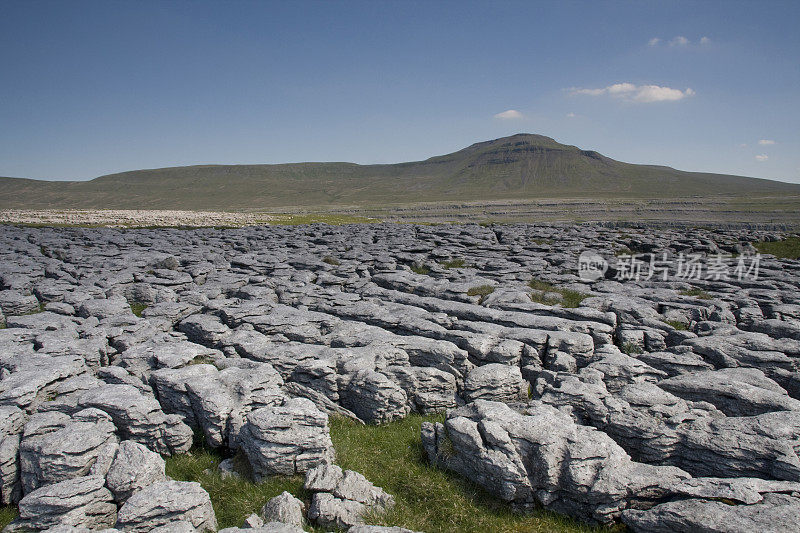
(342, 498)
(165, 502)
(654, 397)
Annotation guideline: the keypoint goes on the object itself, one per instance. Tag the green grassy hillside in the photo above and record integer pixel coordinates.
(518, 167)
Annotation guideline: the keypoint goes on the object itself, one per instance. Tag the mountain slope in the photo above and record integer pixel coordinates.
(518, 167)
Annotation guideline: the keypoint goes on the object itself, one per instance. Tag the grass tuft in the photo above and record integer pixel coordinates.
(331, 261)
(569, 298)
(233, 498)
(7, 514)
(453, 263)
(697, 293)
(137, 308)
(631, 348)
(785, 249)
(677, 324)
(201, 360)
(482, 290)
(420, 269)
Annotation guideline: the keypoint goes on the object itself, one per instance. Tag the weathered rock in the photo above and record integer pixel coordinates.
(284, 508)
(543, 457)
(776, 513)
(342, 498)
(734, 391)
(133, 468)
(495, 381)
(140, 418)
(11, 424)
(287, 439)
(65, 452)
(80, 501)
(375, 398)
(165, 502)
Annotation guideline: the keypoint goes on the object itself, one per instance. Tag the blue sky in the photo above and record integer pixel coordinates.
(90, 88)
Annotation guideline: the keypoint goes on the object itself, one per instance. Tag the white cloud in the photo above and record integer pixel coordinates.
(571, 115)
(762, 157)
(510, 114)
(705, 40)
(680, 40)
(637, 93)
(766, 142)
(654, 41)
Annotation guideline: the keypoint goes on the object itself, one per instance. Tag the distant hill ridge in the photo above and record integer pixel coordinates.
(522, 166)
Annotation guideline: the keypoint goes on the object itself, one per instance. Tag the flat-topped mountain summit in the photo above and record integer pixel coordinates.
(522, 166)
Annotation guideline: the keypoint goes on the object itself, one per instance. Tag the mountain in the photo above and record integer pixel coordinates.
(522, 166)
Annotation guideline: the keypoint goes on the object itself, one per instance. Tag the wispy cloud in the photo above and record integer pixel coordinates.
(679, 40)
(766, 142)
(637, 93)
(571, 115)
(510, 114)
(762, 157)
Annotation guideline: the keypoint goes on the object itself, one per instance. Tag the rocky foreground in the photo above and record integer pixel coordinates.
(666, 399)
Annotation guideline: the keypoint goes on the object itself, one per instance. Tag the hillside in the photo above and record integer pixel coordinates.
(522, 166)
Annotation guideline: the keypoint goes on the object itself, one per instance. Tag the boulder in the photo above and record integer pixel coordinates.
(80, 501)
(286, 439)
(284, 508)
(165, 502)
(134, 467)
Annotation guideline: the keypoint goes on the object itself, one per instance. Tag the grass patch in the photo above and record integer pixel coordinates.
(137, 308)
(785, 249)
(420, 269)
(631, 348)
(430, 499)
(541, 241)
(331, 219)
(391, 456)
(201, 360)
(234, 499)
(482, 290)
(569, 298)
(697, 293)
(539, 285)
(331, 261)
(676, 324)
(7, 514)
(453, 263)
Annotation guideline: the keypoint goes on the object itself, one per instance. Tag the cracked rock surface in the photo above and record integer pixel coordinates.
(667, 402)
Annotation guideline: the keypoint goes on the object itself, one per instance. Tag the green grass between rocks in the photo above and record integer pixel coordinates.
(234, 499)
(785, 249)
(7, 514)
(453, 263)
(391, 456)
(420, 269)
(137, 308)
(697, 293)
(482, 290)
(569, 298)
(332, 219)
